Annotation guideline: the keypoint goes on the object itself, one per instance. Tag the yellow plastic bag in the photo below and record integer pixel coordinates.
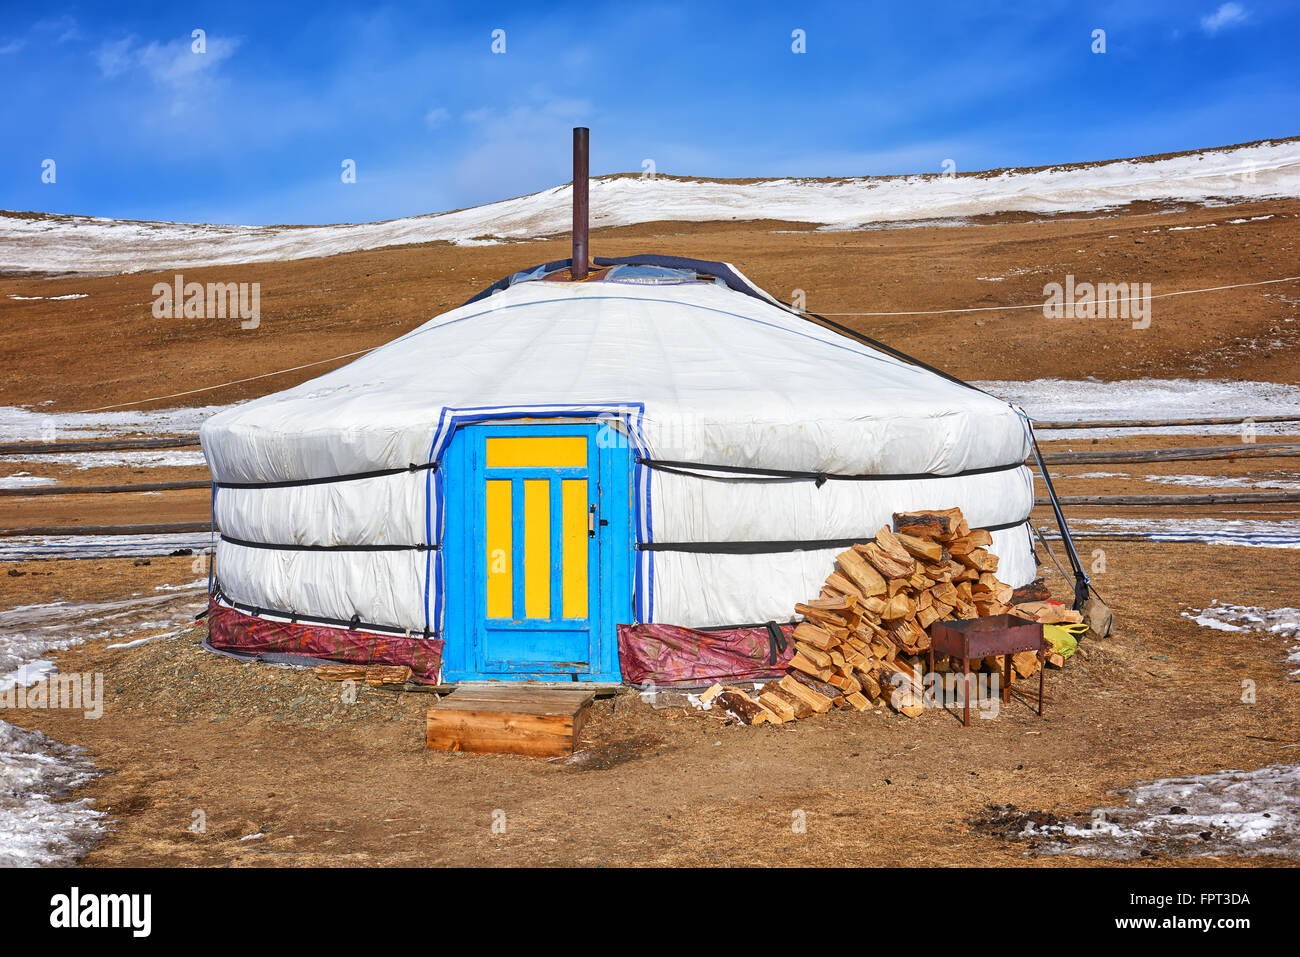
(1064, 638)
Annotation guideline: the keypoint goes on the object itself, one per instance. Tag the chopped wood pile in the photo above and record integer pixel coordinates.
(862, 639)
(373, 675)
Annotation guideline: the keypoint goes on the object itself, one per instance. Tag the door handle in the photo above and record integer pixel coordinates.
(591, 521)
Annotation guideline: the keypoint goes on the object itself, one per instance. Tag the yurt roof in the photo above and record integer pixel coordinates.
(715, 369)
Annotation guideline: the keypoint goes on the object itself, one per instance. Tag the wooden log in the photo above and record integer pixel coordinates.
(866, 579)
(924, 524)
(892, 547)
(340, 672)
(797, 689)
(805, 664)
(98, 445)
(537, 722)
(387, 674)
(802, 709)
(857, 701)
(1159, 423)
(885, 564)
(831, 688)
(778, 705)
(810, 634)
(899, 607)
(138, 487)
(746, 710)
(980, 560)
(1025, 663)
(161, 528)
(1182, 454)
(922, 549)
(841, 583)
(1210, 498)
(1034, 591)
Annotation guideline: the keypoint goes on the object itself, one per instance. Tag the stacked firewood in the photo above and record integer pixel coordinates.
(861, 640)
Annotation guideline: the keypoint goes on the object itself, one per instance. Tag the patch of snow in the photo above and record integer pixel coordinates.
(25, 425)
(1225, 481)
(1057, 400)
(1094, 475)
(90, 245)
(26, 547)
(28, 674)
(29, 631)
(24, 480)
(1278, 622)
(148, 638)
(1240, 813)
(132, 458)
(1257, 533)
(37, 827)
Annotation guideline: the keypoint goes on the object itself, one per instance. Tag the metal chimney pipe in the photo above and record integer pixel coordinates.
(581, 206)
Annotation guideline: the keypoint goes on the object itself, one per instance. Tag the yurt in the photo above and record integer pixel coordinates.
(579, 452)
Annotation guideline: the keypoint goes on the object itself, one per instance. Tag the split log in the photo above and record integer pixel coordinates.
(745, 709)
(885, 564)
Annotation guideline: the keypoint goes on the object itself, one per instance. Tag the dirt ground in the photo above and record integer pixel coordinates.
(276, 753)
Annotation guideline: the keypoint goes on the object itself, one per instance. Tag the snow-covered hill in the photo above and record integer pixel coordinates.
(92, 246)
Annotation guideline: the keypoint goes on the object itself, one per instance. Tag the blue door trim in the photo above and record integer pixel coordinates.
(456, 498)
(628, 415)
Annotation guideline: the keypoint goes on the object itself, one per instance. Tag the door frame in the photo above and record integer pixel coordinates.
(610, 577)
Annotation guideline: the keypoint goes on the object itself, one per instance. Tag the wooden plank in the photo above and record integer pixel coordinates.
(1211, 498)
(97, 445)
(102, 489)
(500, 732)
(1194, 453)
(164, 528)
(1159, 423)
(555, 697)
(541, 722)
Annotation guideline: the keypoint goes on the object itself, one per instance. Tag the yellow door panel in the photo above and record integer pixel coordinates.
(575, 548)
(540, 452)
(537, 548)
(500, 583)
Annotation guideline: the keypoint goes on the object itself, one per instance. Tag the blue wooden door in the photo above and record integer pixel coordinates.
(543, 540)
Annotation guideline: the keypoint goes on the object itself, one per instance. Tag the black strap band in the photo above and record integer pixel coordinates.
(763, 548)
(294, 617)
(752, 624)
(298, 483)
(775, 642)
(749, 474)
(330, 548)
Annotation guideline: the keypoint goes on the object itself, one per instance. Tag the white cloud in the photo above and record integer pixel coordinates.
(173, 67)
(114, 57)
(63, 28)
(173, 64)
(1228, 14)
(436, 117)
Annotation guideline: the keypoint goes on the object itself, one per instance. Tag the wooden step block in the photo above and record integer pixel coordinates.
(540, 722)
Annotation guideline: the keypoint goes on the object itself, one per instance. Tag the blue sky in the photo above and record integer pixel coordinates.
(254, 130)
